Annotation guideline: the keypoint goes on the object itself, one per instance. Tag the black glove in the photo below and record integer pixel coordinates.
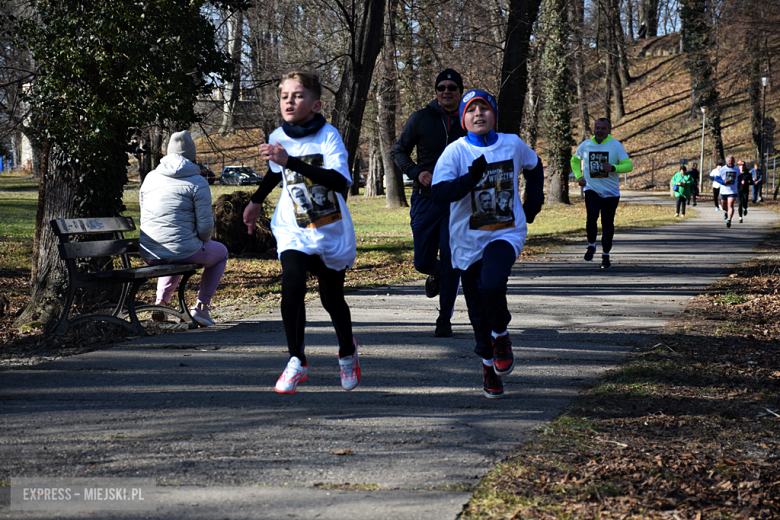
(531, 210)
(478, 167)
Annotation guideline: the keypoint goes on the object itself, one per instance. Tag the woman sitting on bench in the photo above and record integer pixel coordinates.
(176, 225)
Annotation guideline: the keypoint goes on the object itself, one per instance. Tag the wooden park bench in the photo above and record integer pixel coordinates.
(130, 278)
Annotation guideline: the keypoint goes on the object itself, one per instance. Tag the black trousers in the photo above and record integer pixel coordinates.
(295, 267)
(484, 288)
(681, 201)
(742, 198)
(606, 207)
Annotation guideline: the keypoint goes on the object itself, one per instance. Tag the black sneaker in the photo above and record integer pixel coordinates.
(503, 359)
(589, 253)
(493, 388)
(443, 328)
(728, 223)
(605, 263)
(432, 285)
(745, 212)
(725, 216)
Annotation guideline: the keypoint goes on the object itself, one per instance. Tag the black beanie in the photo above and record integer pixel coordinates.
(450, 75)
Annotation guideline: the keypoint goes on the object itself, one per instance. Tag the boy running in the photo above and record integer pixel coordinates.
(308, 155)
(484, 244)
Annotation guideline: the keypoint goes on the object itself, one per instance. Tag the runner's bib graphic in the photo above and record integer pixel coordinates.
(315, 205)
(492, 198)
(594, 161)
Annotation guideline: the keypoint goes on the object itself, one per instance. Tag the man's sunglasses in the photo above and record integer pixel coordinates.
(451, 88)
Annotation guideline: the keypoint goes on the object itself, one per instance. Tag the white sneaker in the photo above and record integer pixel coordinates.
(294, 373)
(200, 313)
(350, 370)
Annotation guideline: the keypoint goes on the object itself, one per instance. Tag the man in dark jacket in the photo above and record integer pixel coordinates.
(431, 130)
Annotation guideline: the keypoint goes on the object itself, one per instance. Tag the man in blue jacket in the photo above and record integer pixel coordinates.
(430, 130)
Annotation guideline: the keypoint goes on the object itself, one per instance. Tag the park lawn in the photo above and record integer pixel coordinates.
(384, 241)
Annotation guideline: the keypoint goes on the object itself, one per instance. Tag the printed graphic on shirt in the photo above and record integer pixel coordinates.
(315, 205)
(594, 160)
(730, 176)
(492, 197)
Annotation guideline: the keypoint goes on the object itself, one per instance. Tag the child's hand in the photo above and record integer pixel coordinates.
(251, 214)
(274, 152)
(478, 167)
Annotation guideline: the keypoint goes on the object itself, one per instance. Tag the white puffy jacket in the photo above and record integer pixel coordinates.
(176, 216)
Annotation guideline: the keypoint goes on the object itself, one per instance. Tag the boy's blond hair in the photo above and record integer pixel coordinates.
(308, 78)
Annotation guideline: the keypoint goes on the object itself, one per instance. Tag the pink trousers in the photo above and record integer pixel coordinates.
(212, 256)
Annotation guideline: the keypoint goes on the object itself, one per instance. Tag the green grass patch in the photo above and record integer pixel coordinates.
(733, 299)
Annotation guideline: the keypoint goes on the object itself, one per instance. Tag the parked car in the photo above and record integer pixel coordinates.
(207, 173)
(239, 176)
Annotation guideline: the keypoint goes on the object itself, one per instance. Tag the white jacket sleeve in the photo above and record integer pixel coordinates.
(204, 217)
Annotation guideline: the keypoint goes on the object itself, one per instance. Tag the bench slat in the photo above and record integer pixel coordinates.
(89, 226)
(151, 271)
(97, 248)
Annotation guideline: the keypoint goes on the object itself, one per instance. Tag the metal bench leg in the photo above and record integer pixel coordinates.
(183, 308)
(136, 325)
(62, 325)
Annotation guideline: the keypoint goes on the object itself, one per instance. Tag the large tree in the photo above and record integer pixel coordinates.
(104, 70)
(514, 71)
(555, 85)
(704, 94)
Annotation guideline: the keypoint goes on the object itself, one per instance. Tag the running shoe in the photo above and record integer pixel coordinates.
(740, 220)
(159, 316)
(432, 285)
(443, 328)
(725, 216)
(745, 212)
(605, 263)
(350, 370)
(589, 253)
(728, 223)
(504, 360)
(200, 313)
(493, 387)
(294, 373)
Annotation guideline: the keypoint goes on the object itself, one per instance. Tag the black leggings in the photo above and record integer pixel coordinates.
(716, 197)
(295, 266)
(681, 201)
(742, 198)
(607, 206)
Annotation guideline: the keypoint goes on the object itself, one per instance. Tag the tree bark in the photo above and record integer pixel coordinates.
(514, 71)
(387, 104)
(577, 17)
(364, 20)
(557, 117)
(235, 26)
(648, 15)
(56, 198)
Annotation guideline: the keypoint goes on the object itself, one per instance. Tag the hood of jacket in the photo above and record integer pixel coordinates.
(177, 166)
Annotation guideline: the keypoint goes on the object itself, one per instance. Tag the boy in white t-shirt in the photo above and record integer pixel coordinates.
(309, 156)
(485, 242)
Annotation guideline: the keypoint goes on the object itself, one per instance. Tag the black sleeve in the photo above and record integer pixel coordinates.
(402, 149)
(445, 192)
(331, 179)
(269, 182)
(534, 191)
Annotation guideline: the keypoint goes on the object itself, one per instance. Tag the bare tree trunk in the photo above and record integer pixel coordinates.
(235, 24)
(608, 85)
(577, 16)
(648, 15)
(387, 103)
(630, 20)
(56, 199)
(365, 22)
(374, 176)
(514, 71)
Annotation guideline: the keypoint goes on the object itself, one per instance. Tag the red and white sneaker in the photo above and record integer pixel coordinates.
(294, 373)
(502, 355)
(350, 370)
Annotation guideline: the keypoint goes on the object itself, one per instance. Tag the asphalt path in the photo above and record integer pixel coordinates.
(196, 413)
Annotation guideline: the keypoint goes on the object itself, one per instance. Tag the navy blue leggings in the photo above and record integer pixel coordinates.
(431, 231)
(295, 269)
(484, 287)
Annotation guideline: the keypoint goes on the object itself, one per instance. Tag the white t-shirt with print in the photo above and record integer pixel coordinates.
(592, 155)
(310, 218)
(493, 209)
